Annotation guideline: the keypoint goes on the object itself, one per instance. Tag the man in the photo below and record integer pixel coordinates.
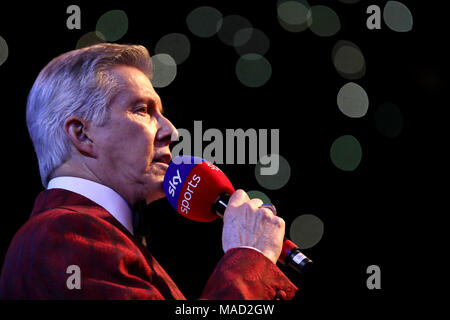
(102, 143)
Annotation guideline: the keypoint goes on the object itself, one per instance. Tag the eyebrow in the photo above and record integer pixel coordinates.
(151, 102)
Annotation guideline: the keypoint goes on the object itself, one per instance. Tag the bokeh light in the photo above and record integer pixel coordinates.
(352, 100)
(277, 180)
(242, 36)
(294, 16)
(176, 45)
(4, 50)
(397, 16)
(164, 70)
(346, 153)
(255, 194)
(230, 26)
(253, 70)
(251, 40)
(89, 39)
(113, 25)
(325, 22)
(306, 230)
(388, 120)
(348, 60)
(204, 21)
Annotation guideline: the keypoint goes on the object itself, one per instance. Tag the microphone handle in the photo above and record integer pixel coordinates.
(290, 254)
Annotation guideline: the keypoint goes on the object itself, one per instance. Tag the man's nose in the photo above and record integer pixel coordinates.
(167, 132)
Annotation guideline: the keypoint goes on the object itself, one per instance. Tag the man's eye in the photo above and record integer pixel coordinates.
(141, 110)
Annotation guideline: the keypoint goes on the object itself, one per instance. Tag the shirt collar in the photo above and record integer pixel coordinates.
(104, 196)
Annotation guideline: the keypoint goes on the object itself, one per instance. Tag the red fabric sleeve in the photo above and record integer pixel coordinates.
(247, 274)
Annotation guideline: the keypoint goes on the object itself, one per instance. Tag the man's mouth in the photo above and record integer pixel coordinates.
(164, 158)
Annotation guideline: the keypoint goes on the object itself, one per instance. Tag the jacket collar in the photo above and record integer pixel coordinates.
(52, 199)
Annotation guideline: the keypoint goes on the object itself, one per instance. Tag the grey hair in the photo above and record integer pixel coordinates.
(76, 83)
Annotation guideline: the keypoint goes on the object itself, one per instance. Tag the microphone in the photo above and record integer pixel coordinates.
(199, 190)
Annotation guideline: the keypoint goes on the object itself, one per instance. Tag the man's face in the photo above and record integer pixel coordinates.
(133, 144)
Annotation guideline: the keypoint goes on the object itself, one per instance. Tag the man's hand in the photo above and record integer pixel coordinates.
(246, 224)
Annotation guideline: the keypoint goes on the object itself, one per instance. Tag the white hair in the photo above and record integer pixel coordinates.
(76, 83)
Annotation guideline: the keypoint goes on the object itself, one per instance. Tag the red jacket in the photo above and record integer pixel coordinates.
(68, 229)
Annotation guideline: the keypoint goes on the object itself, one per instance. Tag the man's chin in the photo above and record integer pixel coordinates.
(156, 193)
(152, 182)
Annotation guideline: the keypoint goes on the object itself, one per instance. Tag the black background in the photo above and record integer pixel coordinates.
(370, 215)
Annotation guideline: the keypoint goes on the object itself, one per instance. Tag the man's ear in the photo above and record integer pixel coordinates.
(77, 130)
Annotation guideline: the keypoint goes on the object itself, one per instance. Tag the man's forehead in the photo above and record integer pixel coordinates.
(135, 84)
(132, 76)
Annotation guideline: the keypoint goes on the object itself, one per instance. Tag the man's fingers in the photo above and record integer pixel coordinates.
(270, 207)
(255, 203)
(254, 224)
(238, 198)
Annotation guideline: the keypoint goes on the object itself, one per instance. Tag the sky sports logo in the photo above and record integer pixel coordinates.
(173, 183)
(178, 191)
(192, 184)
(190, 189)
(182, 179)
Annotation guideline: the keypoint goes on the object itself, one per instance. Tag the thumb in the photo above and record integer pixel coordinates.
(238, 198)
